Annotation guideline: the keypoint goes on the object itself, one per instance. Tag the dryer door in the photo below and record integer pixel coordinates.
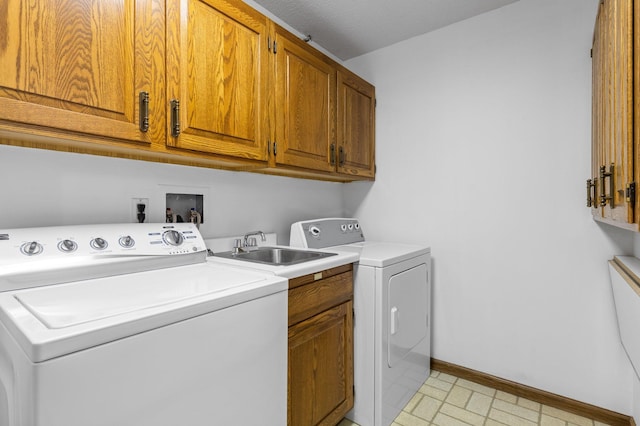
(408, 310)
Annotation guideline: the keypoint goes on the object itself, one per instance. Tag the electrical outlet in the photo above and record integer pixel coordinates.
(140, 210)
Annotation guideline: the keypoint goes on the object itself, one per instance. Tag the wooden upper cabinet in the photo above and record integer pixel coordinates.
(304, 111)
(356, 125)
(79, 66)
(612, 165)
(209, 83)
(217, 69)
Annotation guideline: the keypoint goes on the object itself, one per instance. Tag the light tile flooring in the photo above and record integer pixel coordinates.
(446, 400)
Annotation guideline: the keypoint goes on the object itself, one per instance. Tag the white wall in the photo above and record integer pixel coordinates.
(44, 188)
(483, 148)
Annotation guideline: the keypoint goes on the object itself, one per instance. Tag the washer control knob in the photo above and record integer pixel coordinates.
(31, 248)
(127, 241)
(173, 238)
(98, 243)
(67, 246)
(314, 231)
(350, 226)
(357, 226)
(343, 227)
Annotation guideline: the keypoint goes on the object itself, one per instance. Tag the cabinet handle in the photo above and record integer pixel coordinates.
(175, 118)
(275, 149)
(603, 176)
(332, 155)
(143, 99)
(591, 192)
(341, 156)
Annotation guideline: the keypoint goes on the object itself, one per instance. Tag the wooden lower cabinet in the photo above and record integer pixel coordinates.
(320, 372)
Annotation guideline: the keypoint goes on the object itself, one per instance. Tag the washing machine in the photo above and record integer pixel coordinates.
(129, 325)
(392, 298)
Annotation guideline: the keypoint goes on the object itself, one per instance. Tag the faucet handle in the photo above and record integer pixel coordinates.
(237, 243)
(252, 242)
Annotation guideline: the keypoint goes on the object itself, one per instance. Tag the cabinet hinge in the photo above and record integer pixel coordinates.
(630, 193)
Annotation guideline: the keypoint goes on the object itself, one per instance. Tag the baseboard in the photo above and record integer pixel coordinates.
(543, 397)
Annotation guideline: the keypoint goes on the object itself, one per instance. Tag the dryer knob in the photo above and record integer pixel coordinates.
(314, 231)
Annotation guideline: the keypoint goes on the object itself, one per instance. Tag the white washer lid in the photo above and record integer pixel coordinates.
(381, 254)
(68, 305)
(60, 319)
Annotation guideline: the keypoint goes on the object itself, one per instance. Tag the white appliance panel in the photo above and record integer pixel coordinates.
(168, 376)
(408, 312)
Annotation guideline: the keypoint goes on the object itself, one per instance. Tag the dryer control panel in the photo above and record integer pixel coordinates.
(328, 232)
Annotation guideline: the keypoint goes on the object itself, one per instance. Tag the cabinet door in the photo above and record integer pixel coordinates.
(78, 67)
(320, 379)
(598, 116)
(356, 125)
(305, 105)
(217, 69)
(612, 145)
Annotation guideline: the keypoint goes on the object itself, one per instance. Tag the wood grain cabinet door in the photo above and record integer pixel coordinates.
(217, 68)
(320, 382)
(612, 110)
(78, 67)
(356, 125)
(304, 105)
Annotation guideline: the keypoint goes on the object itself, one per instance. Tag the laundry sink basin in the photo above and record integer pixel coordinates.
(276, 255)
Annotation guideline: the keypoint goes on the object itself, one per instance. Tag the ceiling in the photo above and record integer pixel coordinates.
(350, 28)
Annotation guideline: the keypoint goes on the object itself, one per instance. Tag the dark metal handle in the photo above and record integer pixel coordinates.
(143, 99)
(603, 176)
(275, 149)
(175, 118)
(341, 156)
(591, 189)
(332, 155)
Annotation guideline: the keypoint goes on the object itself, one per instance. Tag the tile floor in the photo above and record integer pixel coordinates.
(446, 400)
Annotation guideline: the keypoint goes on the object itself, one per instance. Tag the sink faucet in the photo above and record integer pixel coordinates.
(247, 235)
(248, 244)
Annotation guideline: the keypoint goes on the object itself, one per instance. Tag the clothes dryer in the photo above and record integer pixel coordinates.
(392, 298)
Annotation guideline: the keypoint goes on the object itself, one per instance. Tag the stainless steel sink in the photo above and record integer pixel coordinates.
(276, 256)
